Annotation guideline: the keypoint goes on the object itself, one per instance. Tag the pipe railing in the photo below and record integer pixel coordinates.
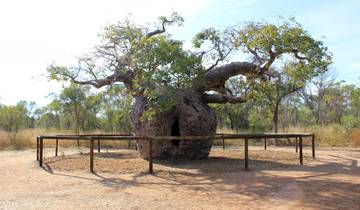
(125, 137)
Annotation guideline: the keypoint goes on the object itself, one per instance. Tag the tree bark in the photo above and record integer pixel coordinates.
(217, 77)
(276, 119)
(189, 117)
(276, 122)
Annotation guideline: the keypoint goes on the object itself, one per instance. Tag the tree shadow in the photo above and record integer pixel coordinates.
(117, 155)
(221, 164)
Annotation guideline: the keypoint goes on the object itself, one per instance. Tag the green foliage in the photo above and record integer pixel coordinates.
(286, 38)
(13, 118)
(260, 120)
(233, 116)
(115, 110)
(160, 66)
(159, 63)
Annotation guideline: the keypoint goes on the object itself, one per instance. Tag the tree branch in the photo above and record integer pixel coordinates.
(221, 58)
(296, 54)
(217, 76)
(265, 66)
(159, 31)
(218, 98)
(256, 55)
(290, 90)
(98, 83)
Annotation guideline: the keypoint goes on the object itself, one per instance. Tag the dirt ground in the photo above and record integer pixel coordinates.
(275, 181)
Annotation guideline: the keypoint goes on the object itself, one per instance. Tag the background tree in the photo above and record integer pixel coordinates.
(314, 95)
(282, 83)
(116, 110)
(13, 118)
(72, 100)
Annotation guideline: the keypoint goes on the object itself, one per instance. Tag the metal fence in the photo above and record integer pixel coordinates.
(298, 137)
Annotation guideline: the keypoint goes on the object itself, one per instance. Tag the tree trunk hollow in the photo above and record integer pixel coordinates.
(189, 117)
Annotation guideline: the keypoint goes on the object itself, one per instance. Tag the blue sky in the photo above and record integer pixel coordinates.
(36, 33)
(336, 22)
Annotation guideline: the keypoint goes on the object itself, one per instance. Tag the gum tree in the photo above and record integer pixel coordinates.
(172, 87)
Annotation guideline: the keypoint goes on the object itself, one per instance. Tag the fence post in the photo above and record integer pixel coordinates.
(296, 144)
(92, 155)
(246, 154)
(98, 141)
(41, 152)
(301, 150)
(265, 146)
(223, 141)
(150, 157)
(56, 147)
(37, 148)
(313, 145)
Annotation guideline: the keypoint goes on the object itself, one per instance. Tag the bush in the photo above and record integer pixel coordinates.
(331, 135)
(23, 139)
(354, 137)
(260, 120)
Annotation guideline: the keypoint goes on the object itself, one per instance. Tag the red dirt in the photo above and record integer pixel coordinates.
(276, 181)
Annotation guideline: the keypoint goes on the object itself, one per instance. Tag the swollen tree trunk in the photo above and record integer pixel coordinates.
(189, 117)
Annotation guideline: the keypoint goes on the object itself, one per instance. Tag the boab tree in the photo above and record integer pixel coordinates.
(172, 87)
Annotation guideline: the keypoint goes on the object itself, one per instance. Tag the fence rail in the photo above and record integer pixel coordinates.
(126, 137)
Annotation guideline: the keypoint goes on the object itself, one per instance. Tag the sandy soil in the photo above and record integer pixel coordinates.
(275, 181)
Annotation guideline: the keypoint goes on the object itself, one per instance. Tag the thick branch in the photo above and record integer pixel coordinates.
(217, 98)
(217, 76)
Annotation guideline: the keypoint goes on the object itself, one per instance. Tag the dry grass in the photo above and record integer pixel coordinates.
(331, 135)
(26, 138)
(355, 137)
(3, 140)
(325, 136)
(23, 139)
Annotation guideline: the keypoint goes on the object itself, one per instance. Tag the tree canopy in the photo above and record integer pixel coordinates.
(153, 64)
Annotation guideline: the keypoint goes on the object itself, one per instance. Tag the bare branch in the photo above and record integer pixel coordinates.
(221, 58)
(256, 55)
(109, 80)
(291, 89)
(159, 31)
(218, 98)
(265, 66)
(296, 54)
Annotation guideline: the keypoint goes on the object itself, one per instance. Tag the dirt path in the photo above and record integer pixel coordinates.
(332, 181)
